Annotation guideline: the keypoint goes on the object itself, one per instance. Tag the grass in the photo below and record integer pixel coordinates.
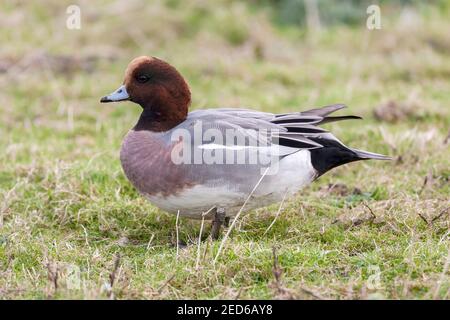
(70, 221)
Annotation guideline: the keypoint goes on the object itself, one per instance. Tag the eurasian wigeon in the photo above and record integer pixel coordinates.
(268, 157)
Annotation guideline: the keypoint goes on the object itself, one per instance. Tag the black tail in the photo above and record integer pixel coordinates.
(334, 154)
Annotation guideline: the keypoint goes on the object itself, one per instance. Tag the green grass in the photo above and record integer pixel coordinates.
(67, 211)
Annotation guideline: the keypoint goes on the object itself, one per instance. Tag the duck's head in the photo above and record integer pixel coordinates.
(157, 87)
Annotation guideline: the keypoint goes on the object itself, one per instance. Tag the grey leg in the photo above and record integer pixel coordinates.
(218, 221)
(227, 222)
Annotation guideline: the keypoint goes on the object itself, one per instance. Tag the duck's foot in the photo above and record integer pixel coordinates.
(181, 244)
(219, 219)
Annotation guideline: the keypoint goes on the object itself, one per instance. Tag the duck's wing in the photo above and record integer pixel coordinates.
(297, 130)
(237, 129)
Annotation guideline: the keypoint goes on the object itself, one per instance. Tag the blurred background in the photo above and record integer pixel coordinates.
(60, 176)
(278, 53)
(271, 54)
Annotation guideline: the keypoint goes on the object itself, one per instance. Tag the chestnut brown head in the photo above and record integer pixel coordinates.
(157, 87)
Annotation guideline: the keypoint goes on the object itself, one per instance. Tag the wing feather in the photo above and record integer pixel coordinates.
(297, 130)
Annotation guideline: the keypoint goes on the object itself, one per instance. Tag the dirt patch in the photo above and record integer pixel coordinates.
(433, 181)
(339, 189)
(393, 111)
(57, 63)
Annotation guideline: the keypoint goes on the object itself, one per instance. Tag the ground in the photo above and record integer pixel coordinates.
(72, 226)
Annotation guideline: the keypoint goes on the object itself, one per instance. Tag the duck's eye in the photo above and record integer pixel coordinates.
(142, 78)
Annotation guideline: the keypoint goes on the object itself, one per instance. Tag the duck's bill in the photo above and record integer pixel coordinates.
(120, 94)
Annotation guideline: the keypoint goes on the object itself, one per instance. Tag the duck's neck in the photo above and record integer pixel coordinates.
(160, 119)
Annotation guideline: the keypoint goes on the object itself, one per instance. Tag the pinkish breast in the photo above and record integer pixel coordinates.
(146, 161)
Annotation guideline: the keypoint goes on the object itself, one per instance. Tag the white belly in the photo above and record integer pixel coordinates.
(287, 176)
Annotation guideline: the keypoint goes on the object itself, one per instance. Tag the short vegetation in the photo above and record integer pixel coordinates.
(72, 226)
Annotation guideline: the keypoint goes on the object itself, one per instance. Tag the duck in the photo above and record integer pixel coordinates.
(216, 164)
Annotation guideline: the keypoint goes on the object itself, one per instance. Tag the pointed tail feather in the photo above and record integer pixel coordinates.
(334, 154)
(338, 118)
(324, 111)
(365, 155)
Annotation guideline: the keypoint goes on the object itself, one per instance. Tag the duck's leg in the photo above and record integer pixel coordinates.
(219, 218)
(227, 222)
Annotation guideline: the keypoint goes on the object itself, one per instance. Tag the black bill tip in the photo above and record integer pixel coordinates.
(105, 99)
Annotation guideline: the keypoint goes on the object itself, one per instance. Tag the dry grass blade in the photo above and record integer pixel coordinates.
(281, 292)
(222, 244)
(423, 218)
(447, 138)
(53, 275)
(161, 288)
(177, 233)
(197, 260)
(6, 201)
(370, 210)
(442, 277)
(313, 294)
(427, 181)
(446, 210)
(113, 275)
(276, 270)
(277, 214)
